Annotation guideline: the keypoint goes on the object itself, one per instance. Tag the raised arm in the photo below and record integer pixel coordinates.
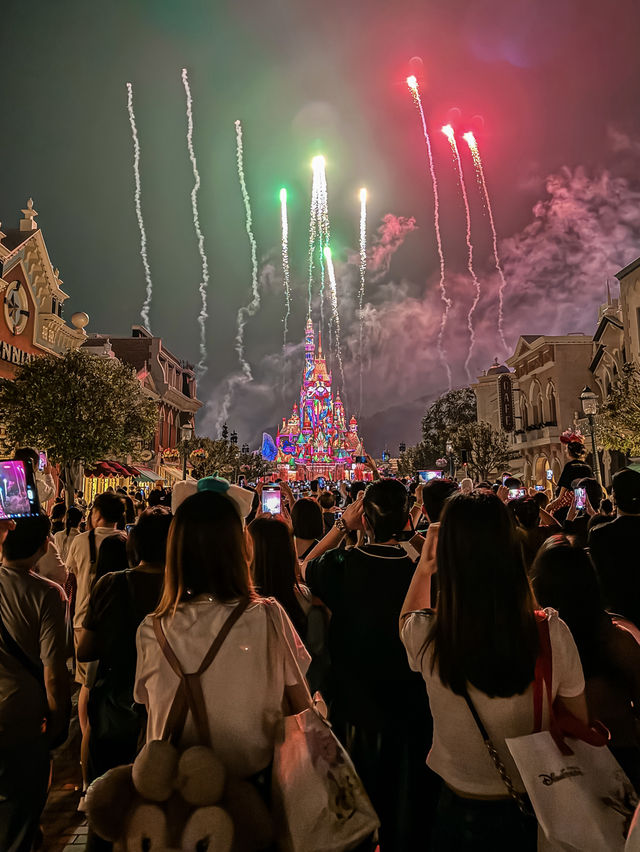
(419, 592)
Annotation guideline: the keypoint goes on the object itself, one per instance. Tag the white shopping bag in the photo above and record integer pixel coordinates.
(319, 801)
(584, 802)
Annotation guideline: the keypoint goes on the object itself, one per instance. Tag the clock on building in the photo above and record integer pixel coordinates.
(16, 307)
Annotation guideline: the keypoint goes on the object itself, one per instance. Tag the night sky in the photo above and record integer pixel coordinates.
(556, 82)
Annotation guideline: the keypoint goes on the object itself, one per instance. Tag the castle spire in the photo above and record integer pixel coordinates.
(319, 343)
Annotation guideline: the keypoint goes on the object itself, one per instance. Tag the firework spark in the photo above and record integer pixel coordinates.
(285, 274)
(449, 133)
(144, 312)
(251, 309)
(335, 315)
(470, 139)
(204, 283)
(412, 83)
(363, 273)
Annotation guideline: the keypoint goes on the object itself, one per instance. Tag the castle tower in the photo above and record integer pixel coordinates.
(309, 348)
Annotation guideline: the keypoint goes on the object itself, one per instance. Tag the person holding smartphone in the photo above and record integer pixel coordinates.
(586, 497)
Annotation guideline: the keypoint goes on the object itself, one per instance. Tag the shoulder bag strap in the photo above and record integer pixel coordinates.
(12, 647)
(189, 696)
(520, 798)
(544, 671)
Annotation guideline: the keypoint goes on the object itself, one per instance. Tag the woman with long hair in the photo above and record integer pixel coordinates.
(274, 568)
(563, 577)
(477, 653)
(308, 529)
(207, 584)
(63, 538)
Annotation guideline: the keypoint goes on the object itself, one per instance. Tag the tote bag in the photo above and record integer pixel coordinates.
(580, 794)
(319, 802)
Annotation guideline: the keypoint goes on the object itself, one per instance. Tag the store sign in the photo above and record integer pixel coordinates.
(505, 396)
(11, 353)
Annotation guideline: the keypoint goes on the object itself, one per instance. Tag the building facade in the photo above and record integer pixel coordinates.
(170, 382)
(546, 376)
(32, 299)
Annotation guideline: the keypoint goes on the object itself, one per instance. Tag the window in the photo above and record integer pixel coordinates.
(524, 413)
(553, 406)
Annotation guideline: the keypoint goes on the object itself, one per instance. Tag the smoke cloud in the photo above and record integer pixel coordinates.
(584, 230)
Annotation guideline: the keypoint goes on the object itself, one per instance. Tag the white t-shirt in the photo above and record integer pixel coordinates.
(458, 753)
(63, 541)
(244, 686)
(79, 563)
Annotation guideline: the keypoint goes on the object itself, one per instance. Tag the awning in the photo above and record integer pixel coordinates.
(146, 475)
(172, 472)
(102, 469)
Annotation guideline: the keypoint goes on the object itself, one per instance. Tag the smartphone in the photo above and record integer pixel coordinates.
(360, 459)
(241, 481)
(581, 497)
(18, 492)
(129, 527)
(42, 461)
(516, 493)
(549, 475)
(337, 515)
(271, 499)
(540, 488)
(428, 475)
(321, 481)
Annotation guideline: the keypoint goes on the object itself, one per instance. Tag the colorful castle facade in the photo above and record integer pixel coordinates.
(317, 440)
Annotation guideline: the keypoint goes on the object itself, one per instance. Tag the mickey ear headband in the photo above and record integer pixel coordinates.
(241, 498)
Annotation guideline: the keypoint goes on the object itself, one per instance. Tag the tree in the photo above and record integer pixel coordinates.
(487, 448)
(449, 412)
(618, 424)
(80, 407)
(420, 457)
(222, 457)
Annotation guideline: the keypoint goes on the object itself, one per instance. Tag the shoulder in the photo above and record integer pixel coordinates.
(414, 633)
(48, 592)
(109, 584)
(329, 562)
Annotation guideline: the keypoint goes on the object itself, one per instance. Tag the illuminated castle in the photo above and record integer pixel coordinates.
(316, 440)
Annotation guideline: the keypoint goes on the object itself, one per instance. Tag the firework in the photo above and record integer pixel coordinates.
(449, 133)
(285, 272)
(412, 82)
(470, 139)
(204, 283)
(144, 312)
(363, 273)
(335, 315)
(251, 309)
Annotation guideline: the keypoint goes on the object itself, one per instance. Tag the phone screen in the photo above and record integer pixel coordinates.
(337, 515)
(581, 498)
(42, 461)
(428, 475)
(271, 499)
(516, 493)
(129, 527)
(549, 474)
(540, 488)
(361, 459)
(241, 481)
(18, 493)
(321, 481)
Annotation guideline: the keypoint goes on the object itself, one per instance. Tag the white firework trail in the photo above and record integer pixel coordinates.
(253, 306)
(144, 312)
(286, 277)
(204, 283)
(336, 316)
(363, 273)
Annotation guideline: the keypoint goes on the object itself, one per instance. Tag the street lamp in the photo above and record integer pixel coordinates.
(449, 452)
(186, 434)
(589, 402)
(245, 450)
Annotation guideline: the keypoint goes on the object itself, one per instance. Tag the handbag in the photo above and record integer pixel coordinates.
(319, 802)
(581, 796)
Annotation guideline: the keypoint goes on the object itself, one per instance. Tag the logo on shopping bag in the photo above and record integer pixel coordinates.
(554, 777)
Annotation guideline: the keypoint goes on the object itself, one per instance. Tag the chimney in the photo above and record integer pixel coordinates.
(29, 223)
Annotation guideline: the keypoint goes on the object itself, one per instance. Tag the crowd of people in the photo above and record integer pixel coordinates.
(414, 608)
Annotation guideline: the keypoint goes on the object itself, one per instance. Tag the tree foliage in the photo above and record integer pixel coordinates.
(487, 448)
(618, 424)
(79, 407)
(209, 457)
(443, 417)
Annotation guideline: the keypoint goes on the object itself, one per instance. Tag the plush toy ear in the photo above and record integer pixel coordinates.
(207, 828)
(201, 776)
(109, 800)
(154, 770)
(147, 830)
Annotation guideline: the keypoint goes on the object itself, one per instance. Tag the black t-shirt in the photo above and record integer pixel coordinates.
(574, 469)
(365, 588)
(119, 602)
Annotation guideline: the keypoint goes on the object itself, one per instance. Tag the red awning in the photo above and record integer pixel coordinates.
(111, 469)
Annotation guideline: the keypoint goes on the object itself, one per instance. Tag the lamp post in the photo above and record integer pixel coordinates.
(449, 451)
(186, 434)
(589, 402)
